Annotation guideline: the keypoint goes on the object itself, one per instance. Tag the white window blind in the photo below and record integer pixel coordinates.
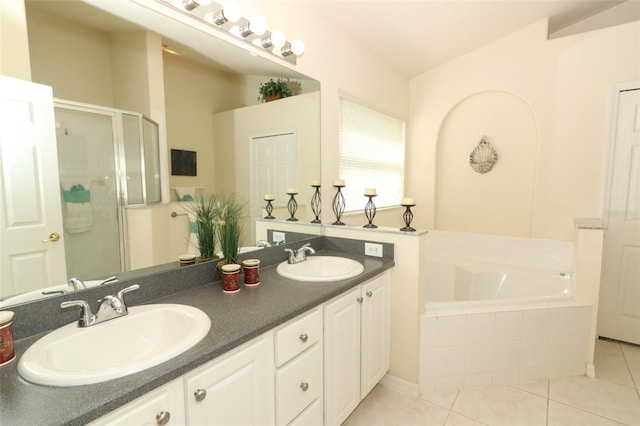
(371, 150)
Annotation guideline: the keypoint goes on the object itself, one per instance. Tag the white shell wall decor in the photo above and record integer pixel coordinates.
(483, 157)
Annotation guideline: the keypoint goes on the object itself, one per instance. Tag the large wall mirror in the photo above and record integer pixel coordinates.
(208, 97)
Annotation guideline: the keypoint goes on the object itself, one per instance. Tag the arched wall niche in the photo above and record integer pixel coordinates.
(499, 202)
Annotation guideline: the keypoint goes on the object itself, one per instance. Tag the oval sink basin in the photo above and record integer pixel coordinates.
(321, 269)
(148, 335)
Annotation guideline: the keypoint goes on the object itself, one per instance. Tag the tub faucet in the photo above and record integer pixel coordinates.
(110, 307)
(77, 284)
(263, 243)
(299, 255)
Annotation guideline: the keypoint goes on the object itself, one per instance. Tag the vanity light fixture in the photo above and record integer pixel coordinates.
(257, 25)
(230, 12)
(296, 47)
(276, 39)
(253, 31)
(189, 5)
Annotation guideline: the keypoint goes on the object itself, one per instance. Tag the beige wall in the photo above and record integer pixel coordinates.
(55, 44)
(14, 42)
(193, 93)
(566, 83)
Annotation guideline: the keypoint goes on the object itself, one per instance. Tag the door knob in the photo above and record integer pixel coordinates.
(53, 237)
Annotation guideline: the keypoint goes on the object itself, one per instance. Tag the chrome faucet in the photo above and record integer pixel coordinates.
(299, 255)
(77, 284)
(110, 307)
(263, 243)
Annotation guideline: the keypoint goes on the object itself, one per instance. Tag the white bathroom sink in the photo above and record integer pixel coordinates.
(321, 269)
(147, 336)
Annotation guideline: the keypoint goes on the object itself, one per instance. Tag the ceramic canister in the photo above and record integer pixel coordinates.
(251, 269)
(187, 259)
(7, 352)
(231, 278)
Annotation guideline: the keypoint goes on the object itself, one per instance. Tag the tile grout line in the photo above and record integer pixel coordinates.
(626, 363)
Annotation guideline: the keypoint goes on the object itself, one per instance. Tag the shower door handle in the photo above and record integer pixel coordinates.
(53, 237)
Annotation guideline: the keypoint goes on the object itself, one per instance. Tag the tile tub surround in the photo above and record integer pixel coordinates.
(464, 350)
(235, 319)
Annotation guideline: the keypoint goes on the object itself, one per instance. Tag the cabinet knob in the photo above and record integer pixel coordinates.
(304, 337)
(369, 294)
(163, 417)
(200, 394)
(359, 299)
(304, 386)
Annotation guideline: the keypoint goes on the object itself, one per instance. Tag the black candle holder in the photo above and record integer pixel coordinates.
(269, 209)
(408, 217)
(316, 204)
(339, 204)
(292, 206)
(370, 212)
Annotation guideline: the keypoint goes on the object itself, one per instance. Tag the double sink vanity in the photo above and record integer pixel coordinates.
(301, 348)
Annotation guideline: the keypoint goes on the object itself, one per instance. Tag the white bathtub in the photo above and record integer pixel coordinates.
(455, 284)
(499, 310)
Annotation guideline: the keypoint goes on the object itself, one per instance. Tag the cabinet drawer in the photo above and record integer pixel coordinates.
(295, 337)
(311, 416)
(299, 383)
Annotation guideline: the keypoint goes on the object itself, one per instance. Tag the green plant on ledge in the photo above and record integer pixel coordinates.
(229, 228)
(205, 209)
(272, 90)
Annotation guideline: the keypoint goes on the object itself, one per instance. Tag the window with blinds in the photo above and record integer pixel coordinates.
(371, 151)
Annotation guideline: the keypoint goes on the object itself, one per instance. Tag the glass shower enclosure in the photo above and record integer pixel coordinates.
(108, 159)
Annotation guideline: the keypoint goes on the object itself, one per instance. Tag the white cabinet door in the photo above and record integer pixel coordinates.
(376, 332)
(163, 406)
(236, 389)
(342, 357)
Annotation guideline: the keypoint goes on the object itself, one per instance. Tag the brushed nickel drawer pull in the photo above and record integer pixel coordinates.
(304, 386)
(304, 337)
(163, 417)
(200, 394)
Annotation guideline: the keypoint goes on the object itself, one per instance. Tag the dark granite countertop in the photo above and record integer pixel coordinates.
(235, 319)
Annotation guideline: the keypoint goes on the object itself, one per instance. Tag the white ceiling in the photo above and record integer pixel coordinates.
(415, 36)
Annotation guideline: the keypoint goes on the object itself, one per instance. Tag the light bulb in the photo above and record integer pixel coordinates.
(278, 39)
(232, 12)
(297, 47)
(258, 26)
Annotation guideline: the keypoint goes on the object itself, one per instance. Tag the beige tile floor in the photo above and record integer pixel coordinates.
(613, 398)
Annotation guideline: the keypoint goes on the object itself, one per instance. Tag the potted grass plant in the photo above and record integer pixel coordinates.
(205, 208)
(229, 228)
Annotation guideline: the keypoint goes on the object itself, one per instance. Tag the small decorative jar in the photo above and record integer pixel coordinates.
(187, 259)
(7, 352)
(231, 278)
(251, 269)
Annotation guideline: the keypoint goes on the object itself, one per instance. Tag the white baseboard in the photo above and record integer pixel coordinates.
(591, 370)
(400, 385)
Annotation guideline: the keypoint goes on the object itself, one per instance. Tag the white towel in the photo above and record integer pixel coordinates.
(78, 217)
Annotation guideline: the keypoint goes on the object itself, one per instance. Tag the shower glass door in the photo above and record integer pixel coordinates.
(93, 231)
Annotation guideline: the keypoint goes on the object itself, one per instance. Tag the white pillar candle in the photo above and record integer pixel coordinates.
(369, 191)
(315, 182)
(292, 191)
(338, 182)
(408, 201)
(269, 197)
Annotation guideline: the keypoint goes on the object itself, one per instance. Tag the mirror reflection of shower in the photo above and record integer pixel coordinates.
(107, 159)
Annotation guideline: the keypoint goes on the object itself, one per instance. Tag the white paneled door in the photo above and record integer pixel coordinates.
(619, 310)
(31, 247)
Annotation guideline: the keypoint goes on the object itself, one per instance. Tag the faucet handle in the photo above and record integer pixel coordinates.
(122, 292)
(85, 311)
